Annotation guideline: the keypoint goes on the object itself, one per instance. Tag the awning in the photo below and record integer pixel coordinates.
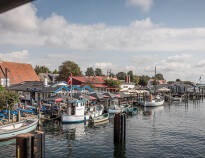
(58, 99)
(93, 98)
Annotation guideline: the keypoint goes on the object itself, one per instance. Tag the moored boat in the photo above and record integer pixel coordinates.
(75, 112)
(12, 130)
(157, 101)
(132, 111)
(101, 118)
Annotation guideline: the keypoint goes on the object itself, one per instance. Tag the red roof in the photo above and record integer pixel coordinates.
(18, 72)
(91, 79)
(99, 85)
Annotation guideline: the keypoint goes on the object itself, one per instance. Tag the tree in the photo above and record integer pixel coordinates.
(121, 75)
(178, 80)
(136, 80)
(170, 82)
(143, 80)
(9, 98)
(130, 73)
(159, 76)
(55, 72)
(66, 68)
(41, 69)
(89, 72)
(113, 83)
(111, 74)
(98, 72)
(1, 88)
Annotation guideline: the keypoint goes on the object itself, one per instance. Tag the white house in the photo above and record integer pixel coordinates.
(127, 86)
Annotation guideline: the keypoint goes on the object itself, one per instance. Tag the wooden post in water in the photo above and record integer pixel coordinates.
(24, 146)
(30, 145)
(19, 116)
(39, 145)
(120, 128)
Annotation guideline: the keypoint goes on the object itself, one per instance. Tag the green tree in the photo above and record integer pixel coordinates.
(113, 83)
(41, 69)
(1, 88)
(98, 72)
(112, 75)
(55, 72)
(66, 68)
(159, 76)
(170, 82)
(89, 72)
(9, 98)
(130, 73)
(121, 75)
(136, 79)
(178, 80)
(143, 80)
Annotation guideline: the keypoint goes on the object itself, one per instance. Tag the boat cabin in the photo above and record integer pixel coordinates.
(76, 107)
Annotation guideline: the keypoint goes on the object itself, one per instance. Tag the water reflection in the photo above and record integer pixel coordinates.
(74, 131)
(119, 151)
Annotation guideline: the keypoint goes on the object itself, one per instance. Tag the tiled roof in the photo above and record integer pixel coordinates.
(91, 79)
(18, 72)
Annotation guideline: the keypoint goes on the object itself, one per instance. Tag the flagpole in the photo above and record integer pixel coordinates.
(71, 84)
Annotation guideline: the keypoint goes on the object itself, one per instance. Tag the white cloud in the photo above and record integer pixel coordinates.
(145, 5)
(22, 27)
(17, 56)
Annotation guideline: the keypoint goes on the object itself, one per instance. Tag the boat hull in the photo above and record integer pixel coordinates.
(154, 104)
(102, 118)
(74, 119)
(13, 133)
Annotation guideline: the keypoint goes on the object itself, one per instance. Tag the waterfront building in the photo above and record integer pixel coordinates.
(15, 73)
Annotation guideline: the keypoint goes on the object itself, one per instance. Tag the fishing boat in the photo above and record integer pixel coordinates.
(75, 112)
(12, 130)
(126, 107)
(101, 118)
(115, 109)
(156, 101)
(132, 111)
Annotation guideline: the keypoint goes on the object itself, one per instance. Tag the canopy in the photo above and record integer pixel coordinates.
(163, 89)
(58, 99)
(93, 98)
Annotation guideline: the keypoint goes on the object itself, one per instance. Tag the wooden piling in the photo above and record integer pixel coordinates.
(119, 128)
(24, 146)
(30, 145)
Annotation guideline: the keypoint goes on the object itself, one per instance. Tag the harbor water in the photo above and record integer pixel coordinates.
(170, 131)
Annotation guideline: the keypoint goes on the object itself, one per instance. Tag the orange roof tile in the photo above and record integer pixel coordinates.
(18, 72)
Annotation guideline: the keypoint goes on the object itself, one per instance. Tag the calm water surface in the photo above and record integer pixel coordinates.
(170, 131)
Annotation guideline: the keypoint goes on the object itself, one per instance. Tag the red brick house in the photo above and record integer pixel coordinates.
(16, 73)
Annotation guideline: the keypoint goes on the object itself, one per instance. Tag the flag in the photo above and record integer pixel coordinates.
(70, 82)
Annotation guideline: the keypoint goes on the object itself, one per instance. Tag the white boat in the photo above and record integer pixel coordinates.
(95, 111)
(75, 112)
(157, 101)
(12, 130)
(115, 109)
(102, 118)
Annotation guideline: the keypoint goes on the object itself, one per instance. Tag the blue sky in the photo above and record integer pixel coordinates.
(120, 35)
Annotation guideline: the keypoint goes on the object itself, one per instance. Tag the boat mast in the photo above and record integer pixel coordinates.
(155, 72)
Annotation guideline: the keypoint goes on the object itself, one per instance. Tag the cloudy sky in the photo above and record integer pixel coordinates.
(120, 35)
